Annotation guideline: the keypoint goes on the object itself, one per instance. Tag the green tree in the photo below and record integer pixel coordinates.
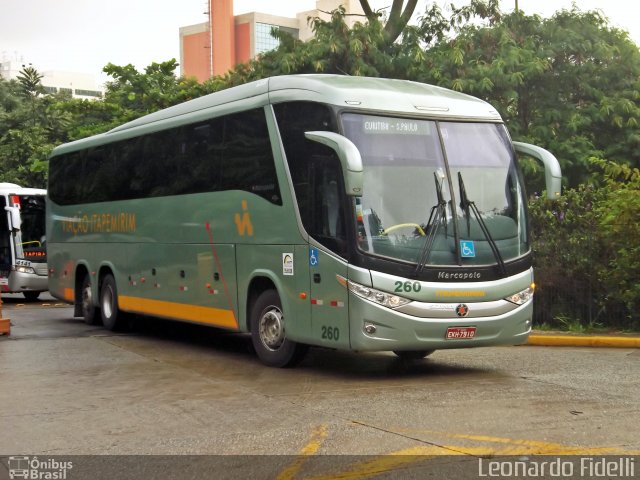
(569, 83)
(31, 125)
(398, 18)
(367, 49)
(30, 81)
(137, 93)
(587, 252)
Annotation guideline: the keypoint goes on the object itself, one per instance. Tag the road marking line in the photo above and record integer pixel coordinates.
(311, 448)
(523, 446)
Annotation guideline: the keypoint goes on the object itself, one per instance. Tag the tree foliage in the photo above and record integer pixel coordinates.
(569, 83)
(397, 21)
(139, 93)
(30, 126)
(587, 252)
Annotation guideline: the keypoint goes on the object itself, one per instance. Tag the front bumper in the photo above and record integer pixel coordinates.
(400, 331)
(21, 282)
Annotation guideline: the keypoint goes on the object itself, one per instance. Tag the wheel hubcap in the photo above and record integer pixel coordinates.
(107, 302)
(86, 300)
(271, 328)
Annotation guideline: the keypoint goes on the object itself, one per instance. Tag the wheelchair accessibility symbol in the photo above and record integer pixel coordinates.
(313, 257)
(467, 248)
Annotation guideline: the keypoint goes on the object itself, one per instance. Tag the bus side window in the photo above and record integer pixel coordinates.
(315, 171)
(247, 157)
(327, 222)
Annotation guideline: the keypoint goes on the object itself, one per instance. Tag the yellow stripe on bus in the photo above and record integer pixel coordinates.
(180, 311)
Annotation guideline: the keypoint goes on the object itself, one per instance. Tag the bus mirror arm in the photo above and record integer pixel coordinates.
(349, 156)
(552, 171)
(14, 215)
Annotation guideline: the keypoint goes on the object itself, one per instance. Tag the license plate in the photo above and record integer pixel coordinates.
(460, 333)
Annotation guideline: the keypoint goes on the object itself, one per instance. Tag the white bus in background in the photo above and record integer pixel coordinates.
(23, 254)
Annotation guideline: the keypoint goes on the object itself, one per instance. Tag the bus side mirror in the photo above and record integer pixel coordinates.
(552, 171)
(349, 156)
(14, 216)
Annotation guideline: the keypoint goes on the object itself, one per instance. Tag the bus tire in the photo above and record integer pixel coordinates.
(31, 296)
(89, 311)
(413, 354)
(112, 318)
(268, 333)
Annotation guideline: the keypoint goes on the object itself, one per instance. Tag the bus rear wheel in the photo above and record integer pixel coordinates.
(112, 318)
(413, 354)
(268, 333)
(89, 311)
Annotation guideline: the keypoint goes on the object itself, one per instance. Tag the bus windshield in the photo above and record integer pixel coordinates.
(438, 193)
(30, 240)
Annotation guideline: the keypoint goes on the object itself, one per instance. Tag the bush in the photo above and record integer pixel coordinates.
(587, 252)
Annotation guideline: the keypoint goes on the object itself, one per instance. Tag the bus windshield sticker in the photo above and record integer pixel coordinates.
(394, 126)
(467, 249)
(313, 257)
(287, 263)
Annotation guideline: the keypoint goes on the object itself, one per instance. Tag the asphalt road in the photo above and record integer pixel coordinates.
(175, 389)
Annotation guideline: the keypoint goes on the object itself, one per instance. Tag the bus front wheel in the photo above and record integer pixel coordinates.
(112, 318)
(268, 333)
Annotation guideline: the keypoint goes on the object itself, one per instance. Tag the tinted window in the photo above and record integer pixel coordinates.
(226, 153)
(315, 171)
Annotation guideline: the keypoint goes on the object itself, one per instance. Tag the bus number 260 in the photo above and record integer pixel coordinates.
(330, 333)
(407, 287)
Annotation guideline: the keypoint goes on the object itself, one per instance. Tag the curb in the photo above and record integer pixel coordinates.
(583, 341)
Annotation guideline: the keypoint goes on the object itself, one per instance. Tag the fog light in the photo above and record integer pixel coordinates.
(369, 328)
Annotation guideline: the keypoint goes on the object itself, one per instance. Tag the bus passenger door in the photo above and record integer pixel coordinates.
(329, 308)
(6, 258)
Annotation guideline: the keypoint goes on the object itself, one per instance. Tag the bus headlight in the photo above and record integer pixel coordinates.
(25, 270)
(522, 297)
(381, 298)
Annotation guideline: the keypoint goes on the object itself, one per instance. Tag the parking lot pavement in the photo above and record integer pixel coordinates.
(167, 388)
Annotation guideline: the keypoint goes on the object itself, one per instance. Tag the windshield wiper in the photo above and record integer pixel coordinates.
(438, 213)
(467, 206)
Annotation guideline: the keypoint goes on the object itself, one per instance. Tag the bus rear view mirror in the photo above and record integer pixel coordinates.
(349, 156)
(14, 216)
(552, 172)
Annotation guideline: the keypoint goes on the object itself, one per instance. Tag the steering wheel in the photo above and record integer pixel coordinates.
(386, 231)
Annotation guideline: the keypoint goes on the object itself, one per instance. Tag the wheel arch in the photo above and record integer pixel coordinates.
(259, 282)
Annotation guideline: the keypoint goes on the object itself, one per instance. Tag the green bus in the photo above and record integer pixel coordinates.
(344, 212)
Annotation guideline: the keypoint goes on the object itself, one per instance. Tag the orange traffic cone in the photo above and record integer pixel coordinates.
(5, 323)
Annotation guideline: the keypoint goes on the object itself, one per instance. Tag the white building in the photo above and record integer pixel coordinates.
(79, 85)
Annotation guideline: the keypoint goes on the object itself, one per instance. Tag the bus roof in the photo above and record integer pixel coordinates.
(357, 93)
(12, 188)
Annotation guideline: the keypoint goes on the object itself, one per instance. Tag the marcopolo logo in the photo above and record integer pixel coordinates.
(38, 469)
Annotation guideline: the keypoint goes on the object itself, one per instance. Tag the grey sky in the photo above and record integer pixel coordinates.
(84, 35)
